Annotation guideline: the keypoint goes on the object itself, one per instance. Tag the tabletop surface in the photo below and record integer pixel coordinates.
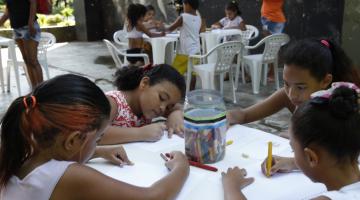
(248, 150)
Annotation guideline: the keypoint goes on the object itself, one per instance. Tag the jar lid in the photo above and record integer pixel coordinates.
(204, 97)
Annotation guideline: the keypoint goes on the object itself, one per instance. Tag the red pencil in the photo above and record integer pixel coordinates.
(196, 164)
(202, 166)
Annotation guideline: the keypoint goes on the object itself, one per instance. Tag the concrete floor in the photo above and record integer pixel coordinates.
(92, 60)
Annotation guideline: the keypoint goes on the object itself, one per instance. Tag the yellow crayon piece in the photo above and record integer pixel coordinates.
(269, 159)
(229, 142)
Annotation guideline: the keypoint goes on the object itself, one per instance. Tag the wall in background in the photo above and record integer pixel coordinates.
(351, 30)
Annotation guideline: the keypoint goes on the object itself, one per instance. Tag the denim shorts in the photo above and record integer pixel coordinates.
(272, 27)
(23, 33)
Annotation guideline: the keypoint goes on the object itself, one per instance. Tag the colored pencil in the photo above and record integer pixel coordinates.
(269, 159)
(202, 166)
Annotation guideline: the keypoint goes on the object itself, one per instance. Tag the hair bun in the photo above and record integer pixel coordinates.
(344, 102)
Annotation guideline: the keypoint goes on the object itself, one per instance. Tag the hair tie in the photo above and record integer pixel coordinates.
(147, 68)
(326, 94)
(326, 43)
(33, 102)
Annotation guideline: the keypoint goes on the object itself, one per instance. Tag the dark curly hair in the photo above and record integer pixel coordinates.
(128, 78)
(134, 13)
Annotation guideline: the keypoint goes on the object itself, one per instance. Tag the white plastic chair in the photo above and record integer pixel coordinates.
(225, 56)
(251, 33)
(269, 55)
(115, 52)
(46, 41)
(121, 39)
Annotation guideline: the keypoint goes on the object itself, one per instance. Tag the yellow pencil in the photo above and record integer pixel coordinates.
(269, 159)
(229, 142)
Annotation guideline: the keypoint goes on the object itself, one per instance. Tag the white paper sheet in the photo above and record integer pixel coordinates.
(253, 143)
(280, 186)
(144, 175)
(165, 143)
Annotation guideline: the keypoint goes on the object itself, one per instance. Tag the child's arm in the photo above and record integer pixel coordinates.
(203, 25)
(120, 135)
(82, 182)
(279, 165)
(115, 155)
(242, 26)
(233, 181)
(269, 106)
(178, 23)
(4, 17)
(216, 25)
(142, 28)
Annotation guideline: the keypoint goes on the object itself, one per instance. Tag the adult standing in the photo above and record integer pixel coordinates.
(272, 16)
(22, 15)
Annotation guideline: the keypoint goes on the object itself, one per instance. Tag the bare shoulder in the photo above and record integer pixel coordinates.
(78, 179)
(114, 107)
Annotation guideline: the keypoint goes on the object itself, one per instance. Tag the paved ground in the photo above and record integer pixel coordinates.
(91, 59)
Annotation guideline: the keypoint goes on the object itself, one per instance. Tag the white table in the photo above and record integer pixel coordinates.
(211, 39)
(160, 47)
(247, 151)
(10, 43)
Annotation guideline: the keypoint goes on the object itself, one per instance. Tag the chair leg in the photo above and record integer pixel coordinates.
(237, 71)
(12, 56)
(276, 75)
(243, 72)
(46, 66)
(222, 83)
(255, 71)
(266, 68)
(188, 79)
(233, 88)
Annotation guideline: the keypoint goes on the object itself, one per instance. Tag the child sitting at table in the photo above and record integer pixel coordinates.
(232, 20)
(190, 24)
(46, 137)
(150, 23)
(144, 94)
(324, 135)
(135, 29)
(310, 65)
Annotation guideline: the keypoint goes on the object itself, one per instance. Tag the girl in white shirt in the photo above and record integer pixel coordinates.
(325, 138)
(190, 24)
(47, 135)
(232, 19)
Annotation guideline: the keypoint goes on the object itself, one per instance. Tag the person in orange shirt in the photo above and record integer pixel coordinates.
(272, 16)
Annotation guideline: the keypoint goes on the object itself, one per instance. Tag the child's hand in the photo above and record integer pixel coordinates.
(153, 132)
(175, 123)
(235, 116)
(215, 26)
(115, 155)
(235, 178)
(279, 165)
(177, 159)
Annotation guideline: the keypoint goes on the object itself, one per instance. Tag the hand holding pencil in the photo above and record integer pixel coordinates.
(279, 165)
(175, 159)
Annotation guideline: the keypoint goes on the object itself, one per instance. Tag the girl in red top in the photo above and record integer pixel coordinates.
(144, 94)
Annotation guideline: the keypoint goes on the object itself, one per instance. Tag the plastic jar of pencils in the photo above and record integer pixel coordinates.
(205, 126)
